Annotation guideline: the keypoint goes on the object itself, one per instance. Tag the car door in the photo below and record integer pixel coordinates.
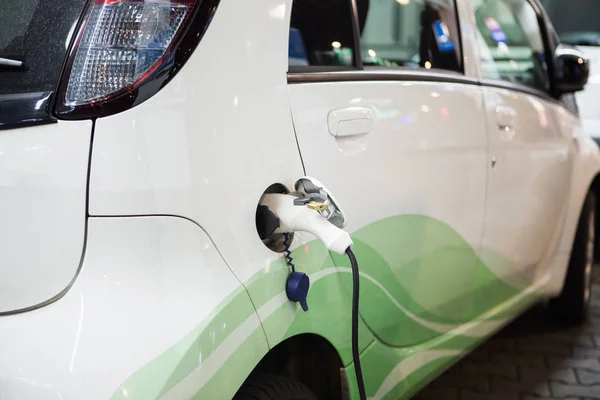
(43, 162)
(396, 131)
(529, 142)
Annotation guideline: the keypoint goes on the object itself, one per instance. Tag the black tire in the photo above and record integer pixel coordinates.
(572, 305)
(274, 387)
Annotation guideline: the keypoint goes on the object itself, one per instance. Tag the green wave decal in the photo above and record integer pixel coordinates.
(429, 269)
(164, 372)
(423, 288)
(399, 373)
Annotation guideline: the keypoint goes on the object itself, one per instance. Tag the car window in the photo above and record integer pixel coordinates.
(576, 21)
(33, 45)
(511, 43)
(321, 34)
(414, 34)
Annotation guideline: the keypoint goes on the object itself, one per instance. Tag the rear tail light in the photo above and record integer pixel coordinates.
(121, 42)
(123, 46)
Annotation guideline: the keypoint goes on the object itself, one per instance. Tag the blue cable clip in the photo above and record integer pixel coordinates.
(296, 288)
(298, 283)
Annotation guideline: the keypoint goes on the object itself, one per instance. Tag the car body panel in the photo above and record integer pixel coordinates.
(532, 155)
(43, 200)
(392, 372)
(399, 373)
(585, 171)
(228, 136)
(404, 184)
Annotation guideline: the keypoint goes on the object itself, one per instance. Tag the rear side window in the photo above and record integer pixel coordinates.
(34, 38)
(414, 34)
(321, 34)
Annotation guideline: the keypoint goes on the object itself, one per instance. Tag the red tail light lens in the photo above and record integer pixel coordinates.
(123, 45)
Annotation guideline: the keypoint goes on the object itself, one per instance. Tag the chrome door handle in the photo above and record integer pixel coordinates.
(350, 121)
(505, 117)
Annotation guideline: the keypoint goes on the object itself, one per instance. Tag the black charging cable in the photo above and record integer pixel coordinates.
(355, 296)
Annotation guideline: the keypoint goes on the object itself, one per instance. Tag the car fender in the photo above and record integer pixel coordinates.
(586, 167)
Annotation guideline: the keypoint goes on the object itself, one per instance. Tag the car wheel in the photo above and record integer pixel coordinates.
(571, 306)
(274, 387)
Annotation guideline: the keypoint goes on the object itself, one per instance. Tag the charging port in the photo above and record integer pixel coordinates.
(267, 222)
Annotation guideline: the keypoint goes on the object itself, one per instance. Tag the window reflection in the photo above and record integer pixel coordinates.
(321, 34)
(510, 42)
(409, 33)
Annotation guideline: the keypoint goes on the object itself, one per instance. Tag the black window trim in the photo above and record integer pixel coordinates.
(35, 105)
(380, 74)
(358, 61)
(547, 39)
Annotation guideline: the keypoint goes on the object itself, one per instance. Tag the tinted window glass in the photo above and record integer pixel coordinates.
(33, 45)
(417, 33)
(321, 33)
(511, 42)
(576, 21)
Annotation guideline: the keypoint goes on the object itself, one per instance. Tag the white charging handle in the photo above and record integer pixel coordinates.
(294, 218)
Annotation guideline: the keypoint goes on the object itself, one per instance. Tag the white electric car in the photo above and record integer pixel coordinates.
(152, 153)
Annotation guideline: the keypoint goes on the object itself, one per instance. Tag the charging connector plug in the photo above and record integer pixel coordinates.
(294, 218)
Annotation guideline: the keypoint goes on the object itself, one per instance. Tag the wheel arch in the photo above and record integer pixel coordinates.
(585, 178)
(310, 359)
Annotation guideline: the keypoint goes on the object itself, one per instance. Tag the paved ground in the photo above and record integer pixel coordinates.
(532, 359)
